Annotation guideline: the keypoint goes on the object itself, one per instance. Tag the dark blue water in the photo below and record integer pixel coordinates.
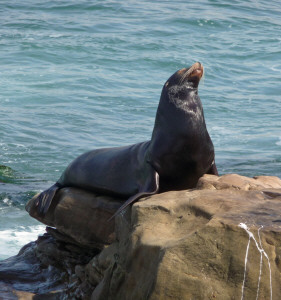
(78, 75)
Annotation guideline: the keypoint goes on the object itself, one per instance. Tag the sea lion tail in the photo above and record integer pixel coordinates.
(44, 200)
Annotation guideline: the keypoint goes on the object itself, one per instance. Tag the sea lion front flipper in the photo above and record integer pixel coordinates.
(44, 199)
(213, 170)
(150, 187)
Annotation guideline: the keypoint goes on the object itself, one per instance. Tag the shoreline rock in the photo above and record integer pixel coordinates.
(189, 244)
(81, 215)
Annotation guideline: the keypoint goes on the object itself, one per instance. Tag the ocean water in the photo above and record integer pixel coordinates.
(79, 75)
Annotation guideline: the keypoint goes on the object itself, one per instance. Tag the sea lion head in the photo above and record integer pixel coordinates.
(180, 136)
(189, 77)
(181, 90)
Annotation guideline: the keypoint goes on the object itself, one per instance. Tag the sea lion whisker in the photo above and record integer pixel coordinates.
(184, 76)
(187, 73)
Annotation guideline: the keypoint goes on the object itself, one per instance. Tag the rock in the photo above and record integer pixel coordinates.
(238, 182)
(8, 293)
(193, 244)
(221, 240)
(44, 269)
(24, 275)
(81, 215)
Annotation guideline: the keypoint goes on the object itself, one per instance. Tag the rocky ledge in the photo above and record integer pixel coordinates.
(221, 240)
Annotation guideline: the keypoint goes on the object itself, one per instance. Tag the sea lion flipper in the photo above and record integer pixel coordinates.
(213, 170)
(150, 187)
(44, 200)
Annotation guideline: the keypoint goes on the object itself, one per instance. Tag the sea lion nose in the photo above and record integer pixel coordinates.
(195, 73)
(199, 69)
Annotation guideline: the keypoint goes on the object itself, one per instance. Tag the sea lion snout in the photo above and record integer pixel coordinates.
(196, 70)
(191, 74)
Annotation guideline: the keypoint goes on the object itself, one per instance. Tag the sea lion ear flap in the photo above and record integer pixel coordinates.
(150, 187)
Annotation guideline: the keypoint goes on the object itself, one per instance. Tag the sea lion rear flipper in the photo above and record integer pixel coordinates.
(44, 200)
(150, 187)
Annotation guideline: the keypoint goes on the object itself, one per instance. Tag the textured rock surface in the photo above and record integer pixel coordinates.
(81, 215)
(189, 245)
(45, 269)
(238, 182)
(176, 245)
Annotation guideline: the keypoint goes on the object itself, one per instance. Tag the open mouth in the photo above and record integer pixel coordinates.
(194, 72)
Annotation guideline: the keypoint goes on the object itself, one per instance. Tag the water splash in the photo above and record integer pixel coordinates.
(262, 252)
(12, 239)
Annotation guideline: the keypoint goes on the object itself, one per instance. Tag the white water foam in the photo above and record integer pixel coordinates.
(11, 240)
(262, 252)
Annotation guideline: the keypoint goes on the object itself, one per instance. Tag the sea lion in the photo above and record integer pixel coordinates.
(179, 153)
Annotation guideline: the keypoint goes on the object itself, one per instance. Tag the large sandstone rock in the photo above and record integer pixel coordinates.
(81, 215)
(193, 244)
(219, 241)
(238, 182)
